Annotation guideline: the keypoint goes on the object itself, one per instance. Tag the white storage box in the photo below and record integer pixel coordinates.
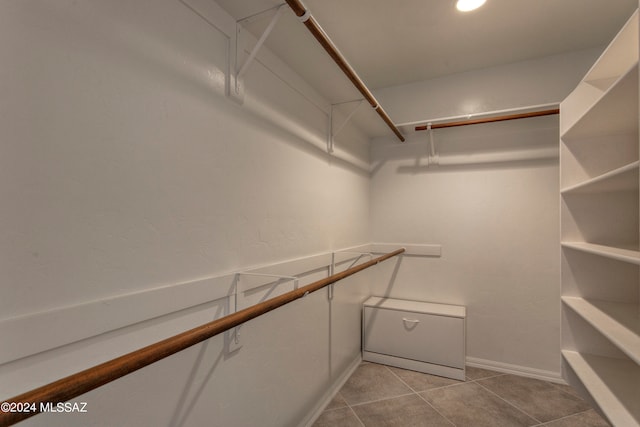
(420, 336)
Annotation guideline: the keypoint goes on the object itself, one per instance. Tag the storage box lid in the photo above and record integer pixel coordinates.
(417, 306)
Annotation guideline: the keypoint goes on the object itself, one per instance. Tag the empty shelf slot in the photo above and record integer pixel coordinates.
(619, 322)
(613, 383)
(616, 112)
(621, 179)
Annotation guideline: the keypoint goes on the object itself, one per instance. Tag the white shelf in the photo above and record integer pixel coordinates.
(621, 179)
(417, 306)
(619, 322)
(620, 254)
(616, 112)
(621, 53)
(614, 384)
(599, 162)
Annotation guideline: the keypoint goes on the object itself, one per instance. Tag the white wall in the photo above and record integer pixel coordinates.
(493, 207)
(124, 172)
(498, 227)
(541, 81)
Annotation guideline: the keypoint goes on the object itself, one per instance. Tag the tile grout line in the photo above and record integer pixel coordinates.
(336, 408)
(540, 423)
(349, 407)
(422, 398)
(400, 379)
(512, 404)
(436, 409)
(561, 418)
(379, 400)
(355, 415)
(467, 380)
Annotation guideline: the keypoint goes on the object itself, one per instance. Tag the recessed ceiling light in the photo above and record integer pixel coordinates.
(467, 5)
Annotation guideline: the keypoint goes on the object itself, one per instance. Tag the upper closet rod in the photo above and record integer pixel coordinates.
(305, 16)
(490, 119)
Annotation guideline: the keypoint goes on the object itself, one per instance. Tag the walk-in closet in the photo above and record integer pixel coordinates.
(308, 213)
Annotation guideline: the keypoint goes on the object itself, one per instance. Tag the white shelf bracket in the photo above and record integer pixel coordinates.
(333, 133)
(233, 337)
(331, 272)
(332, 266)
(241, 70)
(360, 255)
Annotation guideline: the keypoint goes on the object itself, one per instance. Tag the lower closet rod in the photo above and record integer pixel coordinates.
(89, 379)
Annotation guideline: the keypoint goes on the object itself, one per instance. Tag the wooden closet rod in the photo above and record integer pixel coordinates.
(331, 49)
(89, 379)
(490, 119)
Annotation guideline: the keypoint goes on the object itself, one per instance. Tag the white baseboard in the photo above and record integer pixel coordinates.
(523, 371)
(331, 392)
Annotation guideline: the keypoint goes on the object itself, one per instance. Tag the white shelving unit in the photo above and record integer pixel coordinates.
(600, 232)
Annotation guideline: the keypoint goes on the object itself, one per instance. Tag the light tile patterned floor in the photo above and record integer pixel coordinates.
(378, 395)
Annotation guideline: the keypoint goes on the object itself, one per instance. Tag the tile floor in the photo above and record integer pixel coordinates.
(377, 395)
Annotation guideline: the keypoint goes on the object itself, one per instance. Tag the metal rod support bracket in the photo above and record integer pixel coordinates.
(360, 255)
(333, 133)
(240, 71)
(234, 336)
(433, 158)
